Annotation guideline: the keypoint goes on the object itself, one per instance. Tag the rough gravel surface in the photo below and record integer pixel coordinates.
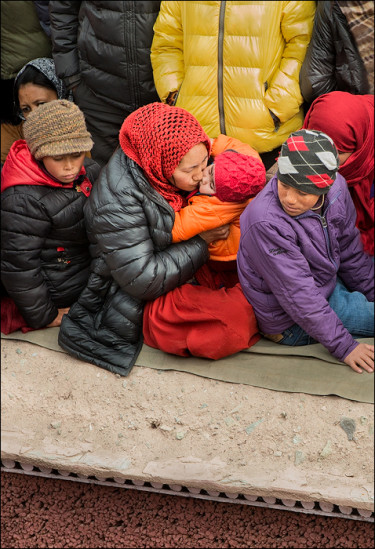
(49, 513)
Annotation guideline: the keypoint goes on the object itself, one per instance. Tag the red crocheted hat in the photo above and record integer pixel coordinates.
(157, 137)
(238, 176)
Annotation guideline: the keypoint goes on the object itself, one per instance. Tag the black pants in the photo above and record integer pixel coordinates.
(103, 122)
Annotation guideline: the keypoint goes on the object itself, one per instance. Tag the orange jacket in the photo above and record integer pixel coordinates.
(208, 212)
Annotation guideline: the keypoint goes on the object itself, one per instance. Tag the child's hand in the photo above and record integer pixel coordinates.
(362, 355)
(58, 319)
(220, 233)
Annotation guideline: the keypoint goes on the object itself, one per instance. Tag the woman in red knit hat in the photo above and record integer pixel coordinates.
(138, 290)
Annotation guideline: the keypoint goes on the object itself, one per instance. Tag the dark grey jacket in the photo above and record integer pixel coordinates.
(45, 258)
(129, 225)
(332, 61)
(107, 45)
(42, 11)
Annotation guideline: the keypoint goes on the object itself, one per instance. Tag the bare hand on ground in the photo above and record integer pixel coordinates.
(58, 319)
(362, 356)
(221, 233)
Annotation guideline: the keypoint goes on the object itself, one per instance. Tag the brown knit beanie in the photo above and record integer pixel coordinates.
(55, 128)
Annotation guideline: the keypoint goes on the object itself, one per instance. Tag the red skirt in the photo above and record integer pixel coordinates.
(201, 320)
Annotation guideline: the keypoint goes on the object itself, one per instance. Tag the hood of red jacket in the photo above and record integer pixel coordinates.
(21, 168)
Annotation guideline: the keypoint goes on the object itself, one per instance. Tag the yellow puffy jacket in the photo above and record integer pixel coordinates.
(233, 64)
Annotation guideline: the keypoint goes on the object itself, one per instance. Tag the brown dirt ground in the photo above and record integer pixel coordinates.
(39, 512)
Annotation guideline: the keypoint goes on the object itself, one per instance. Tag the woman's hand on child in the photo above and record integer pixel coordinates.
(220, 233)
(58, 319)
(362, 356)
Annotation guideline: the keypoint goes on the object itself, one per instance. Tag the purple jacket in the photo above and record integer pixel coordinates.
(288, 266)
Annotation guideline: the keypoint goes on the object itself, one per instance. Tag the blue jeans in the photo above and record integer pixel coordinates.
(352, 308)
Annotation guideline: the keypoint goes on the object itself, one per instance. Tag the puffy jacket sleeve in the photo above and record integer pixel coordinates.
(286, 273)
(356, 267)
(122, 232)
(317, 74)
(167, 56)
(64, 32)
(202, 215)
(283, 96)
(24, 227)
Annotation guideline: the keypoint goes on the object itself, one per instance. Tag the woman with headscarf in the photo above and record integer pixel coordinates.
(35, 84)
(349, 120)
(129, 218)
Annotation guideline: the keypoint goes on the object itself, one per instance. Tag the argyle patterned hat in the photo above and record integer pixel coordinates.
(308, 161)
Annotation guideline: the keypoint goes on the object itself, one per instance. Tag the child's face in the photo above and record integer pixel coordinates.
(293, 201)
(207, 185)
(64, 167)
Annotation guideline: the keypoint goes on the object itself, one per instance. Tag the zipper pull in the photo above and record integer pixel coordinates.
(324, 222)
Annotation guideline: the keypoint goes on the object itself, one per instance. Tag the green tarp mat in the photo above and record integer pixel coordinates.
(310, 369)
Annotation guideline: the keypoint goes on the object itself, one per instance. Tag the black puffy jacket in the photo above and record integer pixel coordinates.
(45, 255)
(107, 45)
(129, 225)
(332, 61)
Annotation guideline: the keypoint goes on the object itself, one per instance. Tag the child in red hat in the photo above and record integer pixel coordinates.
(227, 187)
